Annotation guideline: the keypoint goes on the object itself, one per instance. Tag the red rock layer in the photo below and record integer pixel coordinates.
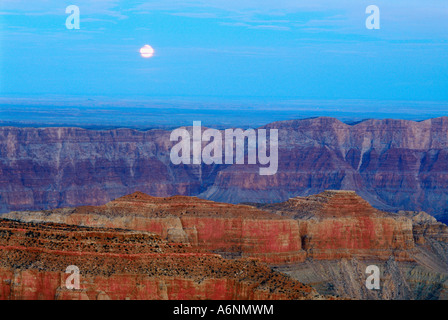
(330, 225)
(340, 224)
(232, 230)
(361, 237)
(118, 264)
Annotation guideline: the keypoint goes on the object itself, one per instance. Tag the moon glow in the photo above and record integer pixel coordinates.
(146, 51)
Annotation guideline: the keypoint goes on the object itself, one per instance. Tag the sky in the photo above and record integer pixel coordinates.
(225, 49)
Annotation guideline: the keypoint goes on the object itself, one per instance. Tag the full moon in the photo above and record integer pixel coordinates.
(146, 51)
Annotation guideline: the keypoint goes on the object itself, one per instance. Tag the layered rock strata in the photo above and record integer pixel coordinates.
(231, 230)
(119, 264)
(394, 164)
(340, 224)
(325, 240)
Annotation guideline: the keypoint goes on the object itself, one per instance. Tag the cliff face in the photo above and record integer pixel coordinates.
(346, 278)
(393, 164)
(231, 230)
(327, 226)
(340, 224)
(119, 264)
(326, 240)
(427, 228)
(59, 167)
(342, 234)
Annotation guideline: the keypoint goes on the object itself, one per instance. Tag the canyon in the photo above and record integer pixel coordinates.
(119, 264)
(325, 241)
(230, 230)
(393, 164)
(345, 196)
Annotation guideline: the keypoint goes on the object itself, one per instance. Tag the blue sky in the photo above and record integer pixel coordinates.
(278, 49)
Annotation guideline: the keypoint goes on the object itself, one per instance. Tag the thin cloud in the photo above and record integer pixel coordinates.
(203, 15)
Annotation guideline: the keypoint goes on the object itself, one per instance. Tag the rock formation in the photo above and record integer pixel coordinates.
(118, 264)
(343, 234)
(340, 224)
(231, 230)
(326, 240)
(394, 164)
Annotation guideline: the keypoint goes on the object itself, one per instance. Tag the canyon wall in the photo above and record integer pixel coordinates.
(120, 265)
(340, 224)
(328, 226)
(230, 230)
(325, 240)
(394, 164)
(342, 235)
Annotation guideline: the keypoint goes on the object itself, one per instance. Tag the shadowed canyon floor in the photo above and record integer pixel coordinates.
(325, 241)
